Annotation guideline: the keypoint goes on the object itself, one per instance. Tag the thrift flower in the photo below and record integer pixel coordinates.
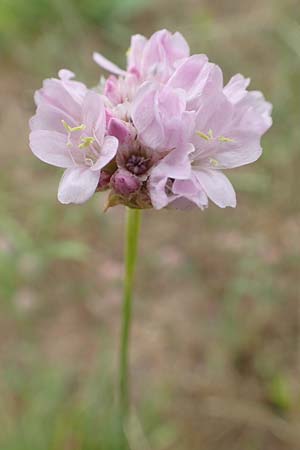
(161, 133)
(68, 131)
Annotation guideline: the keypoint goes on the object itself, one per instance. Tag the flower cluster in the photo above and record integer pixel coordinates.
(158, 134)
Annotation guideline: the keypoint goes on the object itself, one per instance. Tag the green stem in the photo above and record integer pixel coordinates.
(131, 245)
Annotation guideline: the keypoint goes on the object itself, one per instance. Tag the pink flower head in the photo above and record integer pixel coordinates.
(160, 135)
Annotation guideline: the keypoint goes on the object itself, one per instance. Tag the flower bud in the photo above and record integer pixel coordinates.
(119, 129)
(125, 183)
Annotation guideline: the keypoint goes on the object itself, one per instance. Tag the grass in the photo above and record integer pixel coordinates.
(57, 408)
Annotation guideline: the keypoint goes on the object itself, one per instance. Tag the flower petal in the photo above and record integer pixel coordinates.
(77, 185)
(217, 187)
(51, 147)
(191, 191)
(176, 164)
(157, 189)
(107, 65)
(65, 74)
(65, 95)
(49, 117)
(135, 52)
(236, 88)
(243, 150)
(107, 152)
(93, 115)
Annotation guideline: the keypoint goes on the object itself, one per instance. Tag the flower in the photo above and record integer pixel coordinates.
(68, 131)
(161, 133)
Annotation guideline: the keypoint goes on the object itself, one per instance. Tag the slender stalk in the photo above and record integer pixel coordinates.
(131, 245)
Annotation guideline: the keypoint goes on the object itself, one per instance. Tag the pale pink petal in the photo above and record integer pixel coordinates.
(255, 112)
(107, 152)
(179, 48)
(236, 89)
(185, 187)
(49, 117)
(217, 187)
(50, 147)
(176, 164)
(171, 102)
(144, 116)
(191, 191)
(157, 190)
(183, 204)
(214, 114)
(141, 111)
(245, 149)
(112, 90)
(179, 130)
(188, 74)
(160, 118)
(77, 185)
(135, 52)
(160, 54)
(65, 74)
(107, 65)
(93, 115)
(65, 96)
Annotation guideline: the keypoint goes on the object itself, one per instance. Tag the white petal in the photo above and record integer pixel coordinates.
(107, 152)
(51, 147)
(217, 187)
(107, 65)
(77, 185)
(93, 115)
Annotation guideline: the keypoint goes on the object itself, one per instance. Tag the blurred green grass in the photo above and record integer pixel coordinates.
(52, 409)
(217, 311)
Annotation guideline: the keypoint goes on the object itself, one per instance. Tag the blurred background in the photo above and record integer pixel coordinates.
(215, 353)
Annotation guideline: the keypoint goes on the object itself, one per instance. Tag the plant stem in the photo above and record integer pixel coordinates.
(131, 245)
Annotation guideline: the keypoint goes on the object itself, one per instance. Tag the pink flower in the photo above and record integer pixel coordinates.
(68, 131)
(227, 133)
(160, 135)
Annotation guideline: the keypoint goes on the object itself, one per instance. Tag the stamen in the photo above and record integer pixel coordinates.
(86, 141)
(214, 162)
(71, 129)
(225, 139)
(210, 134)
(207, 136)
(89, 162)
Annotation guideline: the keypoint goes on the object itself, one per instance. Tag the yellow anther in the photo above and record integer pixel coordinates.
(207, 136)
(128, 51)
(203, 135)
(210, 134)
(225, 139)
(71, 129)
(214, 162)
(86, 141)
